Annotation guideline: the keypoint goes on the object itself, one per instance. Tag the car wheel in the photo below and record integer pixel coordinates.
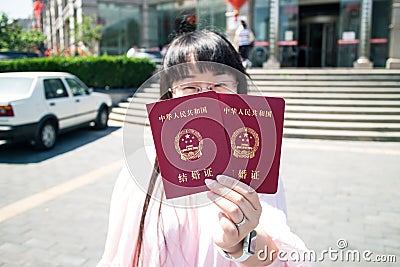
(101, 121)
(47, 136)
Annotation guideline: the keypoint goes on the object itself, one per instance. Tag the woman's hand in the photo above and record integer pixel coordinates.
(241, 211)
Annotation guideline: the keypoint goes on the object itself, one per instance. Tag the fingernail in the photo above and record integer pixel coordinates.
(209, 182)
(251, 189)
(221, 178)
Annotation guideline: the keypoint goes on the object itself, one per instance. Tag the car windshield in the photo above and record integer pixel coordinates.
(15, 86)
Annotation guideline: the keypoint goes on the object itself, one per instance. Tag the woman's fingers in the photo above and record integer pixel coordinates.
(243, 189)
(233, 211)
(240, 206)
(234, 204)
(227, 235)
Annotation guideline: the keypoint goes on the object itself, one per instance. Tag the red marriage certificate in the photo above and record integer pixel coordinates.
(203, 135)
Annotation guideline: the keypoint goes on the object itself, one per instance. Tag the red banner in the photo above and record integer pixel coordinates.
(37, 6)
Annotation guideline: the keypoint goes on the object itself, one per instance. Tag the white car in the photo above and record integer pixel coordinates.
(37, 106)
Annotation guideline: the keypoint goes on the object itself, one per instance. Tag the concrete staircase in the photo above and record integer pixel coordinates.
(340, 104)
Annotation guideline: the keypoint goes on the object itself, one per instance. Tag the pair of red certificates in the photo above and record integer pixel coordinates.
(203, 135)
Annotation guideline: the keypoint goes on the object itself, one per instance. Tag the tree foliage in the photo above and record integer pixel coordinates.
(13, 37)
(9, 33)
(87, 32)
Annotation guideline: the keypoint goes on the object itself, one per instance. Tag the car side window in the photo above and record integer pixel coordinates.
(76, 88)
(54, 88)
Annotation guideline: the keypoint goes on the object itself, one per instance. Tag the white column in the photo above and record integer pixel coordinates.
(60, 24)
(71, 27)
(273, 61)
(53, 25)
(145, 24)
(47, 27)
(364, 45)
(394, 51)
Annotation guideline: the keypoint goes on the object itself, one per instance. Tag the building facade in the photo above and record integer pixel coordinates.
(289, 33)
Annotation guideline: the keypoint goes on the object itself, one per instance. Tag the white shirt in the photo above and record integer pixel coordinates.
(131, 52)
(244, 36)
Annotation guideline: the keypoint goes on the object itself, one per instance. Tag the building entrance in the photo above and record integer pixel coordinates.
(318, 36)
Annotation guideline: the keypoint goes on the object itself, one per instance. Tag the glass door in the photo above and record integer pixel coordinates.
(318, 39)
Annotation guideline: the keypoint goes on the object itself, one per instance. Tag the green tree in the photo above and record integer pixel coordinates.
(31, 39)
(9, 33)
(13, 37)
(87, 32)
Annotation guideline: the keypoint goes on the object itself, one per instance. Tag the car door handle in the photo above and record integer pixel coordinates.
(52, 104)
(77, 100)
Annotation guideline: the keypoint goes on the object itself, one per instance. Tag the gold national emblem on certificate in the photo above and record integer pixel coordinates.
(245, 142)
(188, 143)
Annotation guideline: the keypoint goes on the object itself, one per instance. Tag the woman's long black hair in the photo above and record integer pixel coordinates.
(190, 47)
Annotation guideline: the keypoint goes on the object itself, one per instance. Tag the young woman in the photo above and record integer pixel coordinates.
(239, 227)
(244, 38)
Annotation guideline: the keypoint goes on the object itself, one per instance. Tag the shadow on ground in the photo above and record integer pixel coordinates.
(24, 153)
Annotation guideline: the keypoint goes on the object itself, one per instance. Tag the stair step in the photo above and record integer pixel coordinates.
(333, 83)
(124, 104)
(342, 117)
(324, 72)
(302, 77)
(302, 115)
(353, 126)
(326, 90)
(298, 116)
(154, 85)
(154, 90)
(130, 112)
(304, 109)
(342, 110)
(146, 95)
(369, 98)
(337, 96)
(128, 119)
(343, 103)
(309, 89)
(314, 85)
(299, 108)
(133, 105)
(341, 135)
(144, 100)
(116, 117)
(138, 100)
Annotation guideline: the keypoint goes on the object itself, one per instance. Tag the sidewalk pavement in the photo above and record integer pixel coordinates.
(344, 190)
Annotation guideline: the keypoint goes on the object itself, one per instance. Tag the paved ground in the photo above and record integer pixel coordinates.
(68, 229)
(344, 190)
(54, 205)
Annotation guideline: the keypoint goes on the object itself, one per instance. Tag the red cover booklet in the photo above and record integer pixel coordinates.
(203, 135)
(254, 126)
